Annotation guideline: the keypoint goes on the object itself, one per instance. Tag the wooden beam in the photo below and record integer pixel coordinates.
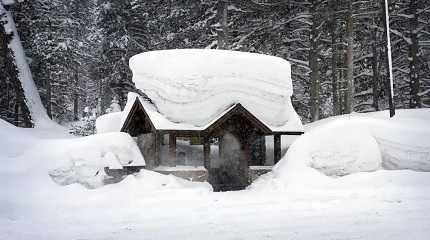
(172, 150)
(287, 133)
(206, 152)
(277, 148)
(220, 147)
(157, 148)
(263, 150)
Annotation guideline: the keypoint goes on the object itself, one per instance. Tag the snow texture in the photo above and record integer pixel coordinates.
(190, 88)
(32, 98)
(110, 122)
(355, 143)
(366, 205)
(82, 160)
(70, 160)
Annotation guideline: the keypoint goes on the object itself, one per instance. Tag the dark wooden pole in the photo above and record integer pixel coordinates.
(206, 152)
(220, 148)
(172, 150)
(263, 150)
(157, 150)
(277, 148)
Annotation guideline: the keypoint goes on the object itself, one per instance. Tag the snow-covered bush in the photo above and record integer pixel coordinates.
(85, 127)
(114, 106)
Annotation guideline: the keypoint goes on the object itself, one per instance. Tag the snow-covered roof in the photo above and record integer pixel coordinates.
(191, 88)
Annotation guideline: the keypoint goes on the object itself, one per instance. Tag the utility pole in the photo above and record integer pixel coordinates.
(389, 62)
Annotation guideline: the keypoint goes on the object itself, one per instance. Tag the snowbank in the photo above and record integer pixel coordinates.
(147, 181)
(341, 148)
(82, 160)
(110, 122)
(195, 86)
(367, 205)
(34, 159)
(355, 143)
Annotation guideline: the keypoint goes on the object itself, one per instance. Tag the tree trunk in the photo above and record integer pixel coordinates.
(349, 61)
(222, 31)
(414, 84)
(49, 79)
(76, 98)
(313, 64)
(49, 95)
(375, 69)
(335, 91)
(341, 76)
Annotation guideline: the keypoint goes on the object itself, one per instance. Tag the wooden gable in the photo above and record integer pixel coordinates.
(137, 121)
(238, 110)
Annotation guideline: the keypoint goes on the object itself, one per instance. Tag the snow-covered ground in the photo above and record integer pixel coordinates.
(295, 201)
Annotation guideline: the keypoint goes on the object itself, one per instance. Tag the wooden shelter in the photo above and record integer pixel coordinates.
(225, 104)
(237, 133)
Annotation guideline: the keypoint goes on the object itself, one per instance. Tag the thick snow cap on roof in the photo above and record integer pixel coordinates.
(194, 86)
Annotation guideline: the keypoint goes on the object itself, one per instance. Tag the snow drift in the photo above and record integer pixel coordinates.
(67, 160)
(83, 160)
(366, 205)
(355, 143)
(194, 86)
(109, 122)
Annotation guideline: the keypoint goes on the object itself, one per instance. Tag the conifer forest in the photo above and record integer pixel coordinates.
(78, 50)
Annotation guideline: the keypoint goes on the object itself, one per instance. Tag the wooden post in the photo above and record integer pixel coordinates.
(206, 152)
(277, 148)
(157, 150)
(172, 150)
(220, 148)
(263, 150)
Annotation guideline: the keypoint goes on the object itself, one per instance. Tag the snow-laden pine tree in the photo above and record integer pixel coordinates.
(79, 50)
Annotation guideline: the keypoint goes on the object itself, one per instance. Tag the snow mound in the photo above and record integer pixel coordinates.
(148, 181)
(41, 163)
(83, 160)
(342, 148)
(354, 143)
(194, 86)
(110, 122)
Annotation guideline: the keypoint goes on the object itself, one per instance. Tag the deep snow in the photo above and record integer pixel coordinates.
(293, 202)
(194, 86)
(354, 143)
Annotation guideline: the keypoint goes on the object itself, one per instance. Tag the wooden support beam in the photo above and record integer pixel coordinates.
(277, 148)
(220, 147)
(172, 150)
(157, 148)
(263, 150)
(206, 152)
